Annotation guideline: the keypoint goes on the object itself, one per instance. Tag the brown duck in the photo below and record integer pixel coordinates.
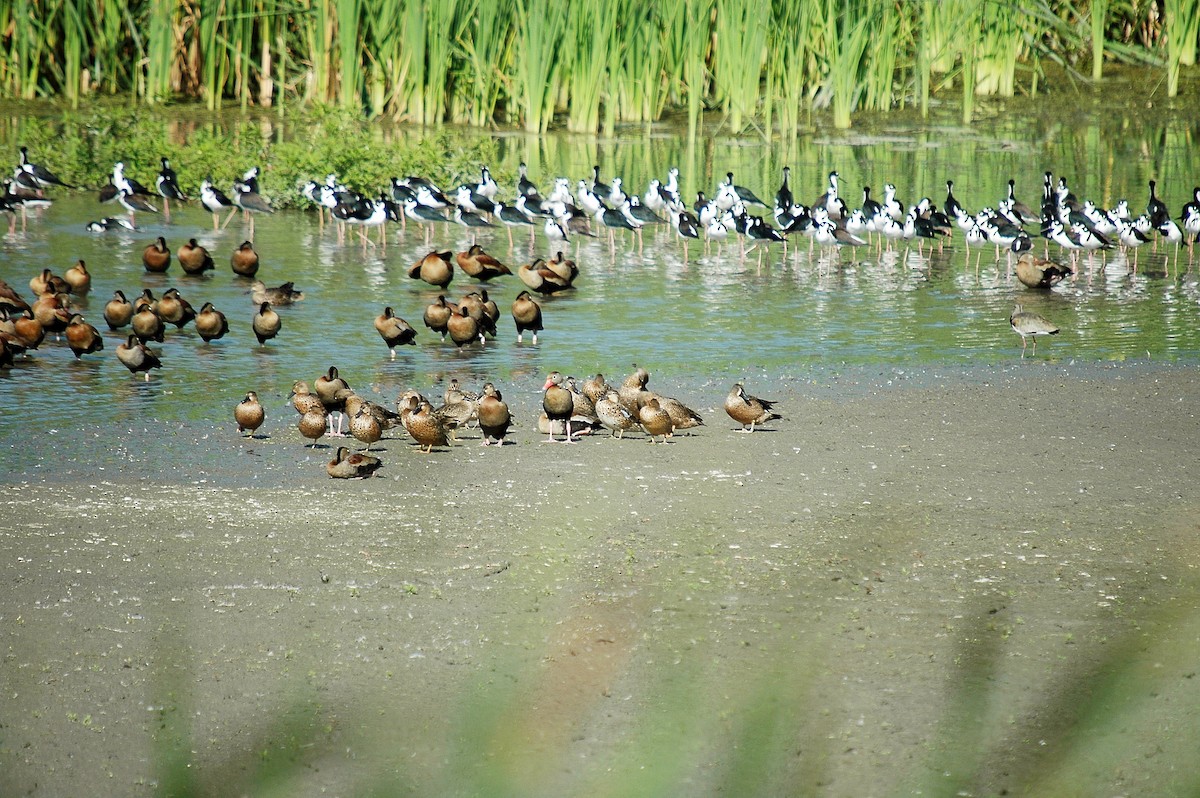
(244, 260)
(147, 325)
(437, 315)
(748, 410)
(211, 323)
(436, 268)
(527, 315)
(463, 327)
(559, 405)
(477, 263)
(332, 391)
(426, 428)
(27, 330)
(480, 308)
(136, 357)
(79, 278)
(284, 294)
(249, 413)
(682, 416)
(394, 330)
(494, 417)
(82, 337)
(47, 282)
(613, 416)
(596, 387)
(118, 311)
(156, 257)
(364, 426)
(347, 465)
(172, 308)
(53, 311)
(633, 390)
(1035, 272)
(303, 399)
(10, 299)
(194, 258)
(655, 420)
(266, 323)
(313, 424)
(538, 277)
(145, 300)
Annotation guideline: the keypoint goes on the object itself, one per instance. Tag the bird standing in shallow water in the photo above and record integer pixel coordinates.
(748, 410)
(136, 357)
(249, 413)
(394, 330)
(527, 315)
(266, 323)
(1029, 325)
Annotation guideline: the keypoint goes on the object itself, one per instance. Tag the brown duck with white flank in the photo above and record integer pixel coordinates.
(346, 465)
(748, 410)
(249, 413)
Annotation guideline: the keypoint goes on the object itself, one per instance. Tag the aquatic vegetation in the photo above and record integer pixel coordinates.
(531, 62)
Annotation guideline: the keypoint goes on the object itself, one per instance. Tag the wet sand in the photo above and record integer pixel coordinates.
(935, 580)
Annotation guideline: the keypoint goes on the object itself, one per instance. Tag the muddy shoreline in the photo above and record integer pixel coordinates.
(911, 583)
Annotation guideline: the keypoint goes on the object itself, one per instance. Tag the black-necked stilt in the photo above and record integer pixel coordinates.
(783, 197)
(40, 175)
(471, 221)
(1029, 325)
(744, 194)
(686, 227)
(168, 188)
(134, 203)
(486, 187)
(468, 199)
(423, 215)
(514, 216)
(109, 223)
(951, 206)
(599, 188)
(525, 186)
(246, 197)
(1156, 208)
(215, 201)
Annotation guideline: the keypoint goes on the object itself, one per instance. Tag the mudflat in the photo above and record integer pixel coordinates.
(936, 581)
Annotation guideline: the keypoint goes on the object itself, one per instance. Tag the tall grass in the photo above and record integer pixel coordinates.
(589, 66)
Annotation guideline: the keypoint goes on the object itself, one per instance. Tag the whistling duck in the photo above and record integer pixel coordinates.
(82, 337)
(244, 260)
(194, 258)
(174, 309)
(1036, 272)
(78, 278)
(137, 357)
(345, 465)
(539, 277)
(748, 410)
(10, 299)
(494, 418)
(53, 311)
(559, 405)
(156, 257)
(394, 330)
(463, 327)
(483, 310)
(147, 325)
(477, 263)
(435, 268)
(211, 323)
(266, 323)
(28, 331)
(48, 283)
(437, 315)
(1029, 325)
(655, 420)
(249, 413)
(527, 315)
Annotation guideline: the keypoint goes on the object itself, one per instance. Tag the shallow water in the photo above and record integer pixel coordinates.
(717, 312)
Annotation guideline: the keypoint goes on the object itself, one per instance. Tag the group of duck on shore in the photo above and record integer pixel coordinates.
(569, 409)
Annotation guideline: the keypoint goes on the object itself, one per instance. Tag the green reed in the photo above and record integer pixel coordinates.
(762, 63)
